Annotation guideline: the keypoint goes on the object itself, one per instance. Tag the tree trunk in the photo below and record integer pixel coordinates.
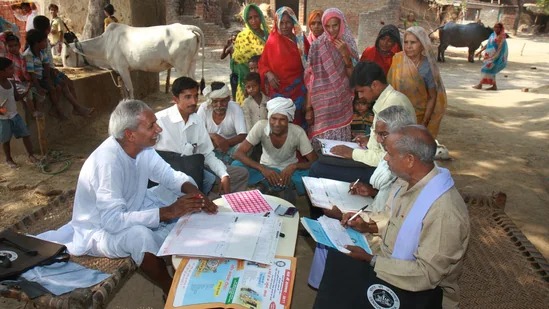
(94, 20)
(517, 16)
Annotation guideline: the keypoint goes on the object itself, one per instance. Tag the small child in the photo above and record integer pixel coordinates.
(21, 78)
(363, 117)
(11, 123)
(253, 64)
(109, 12)
(255, 104)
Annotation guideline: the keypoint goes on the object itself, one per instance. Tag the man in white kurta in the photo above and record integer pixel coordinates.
(224, 120)
(184, 132)
(114, 214)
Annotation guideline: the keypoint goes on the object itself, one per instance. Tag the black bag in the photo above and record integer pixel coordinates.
(69, 36)
(19, 253)
(356, 285)
(192, 165)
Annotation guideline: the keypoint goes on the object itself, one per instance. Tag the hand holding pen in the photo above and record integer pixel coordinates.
(355, 221)
(352, 186)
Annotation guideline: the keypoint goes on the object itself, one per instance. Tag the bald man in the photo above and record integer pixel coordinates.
(422, 248)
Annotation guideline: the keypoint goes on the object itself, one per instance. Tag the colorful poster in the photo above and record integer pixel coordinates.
(227, 281)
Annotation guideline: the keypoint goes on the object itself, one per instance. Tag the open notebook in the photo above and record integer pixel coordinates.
(325, 193)
(331, 233)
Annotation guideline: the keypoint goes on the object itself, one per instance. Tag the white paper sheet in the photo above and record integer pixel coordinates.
(328, 144)
(325, 193)
(228, 235)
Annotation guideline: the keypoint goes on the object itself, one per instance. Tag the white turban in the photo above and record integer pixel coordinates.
(216, 94)
(281, 106)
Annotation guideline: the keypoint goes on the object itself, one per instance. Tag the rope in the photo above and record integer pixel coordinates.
(51, 158)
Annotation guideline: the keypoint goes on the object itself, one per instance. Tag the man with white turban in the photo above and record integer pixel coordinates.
(224, 120)
(280, 139)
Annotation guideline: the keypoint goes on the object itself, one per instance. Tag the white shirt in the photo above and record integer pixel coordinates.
(187, 138)
(281, 157)
(29, 24)
(8, 96)
(233, 124)
(111, 193)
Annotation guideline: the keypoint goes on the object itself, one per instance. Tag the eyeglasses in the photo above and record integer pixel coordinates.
(382, 134)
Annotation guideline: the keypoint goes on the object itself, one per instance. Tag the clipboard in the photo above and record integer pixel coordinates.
(187, 282)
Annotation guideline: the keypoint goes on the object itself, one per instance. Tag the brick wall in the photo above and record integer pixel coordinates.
(7, 14)
(371, 21)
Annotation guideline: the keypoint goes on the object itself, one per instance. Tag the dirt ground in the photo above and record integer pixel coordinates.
(498, 140)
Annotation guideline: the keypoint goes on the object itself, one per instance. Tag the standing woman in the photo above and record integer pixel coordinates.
(314, 23)
(329, 110)
(387, 45)
(283, 62)
(249, 42)
(495, 57)
(414, 72)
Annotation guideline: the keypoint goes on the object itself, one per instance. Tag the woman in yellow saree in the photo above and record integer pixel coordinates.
(414, 72)
(249, 42)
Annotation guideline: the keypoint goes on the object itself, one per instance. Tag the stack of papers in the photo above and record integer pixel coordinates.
(331, 233)
(328, 144)
(224, 235)
(247, 202)
(326, 193)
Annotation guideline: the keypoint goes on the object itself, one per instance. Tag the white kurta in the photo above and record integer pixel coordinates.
(114, 214)
(233, 124)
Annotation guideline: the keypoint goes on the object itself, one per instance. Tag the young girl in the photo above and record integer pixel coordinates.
(363, 116)
(109, 12)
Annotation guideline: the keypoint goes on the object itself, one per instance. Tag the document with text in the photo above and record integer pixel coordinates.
(224, 235)
(325, 193)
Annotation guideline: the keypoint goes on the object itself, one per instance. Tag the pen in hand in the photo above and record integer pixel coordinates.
(358, 213)
(353, 186)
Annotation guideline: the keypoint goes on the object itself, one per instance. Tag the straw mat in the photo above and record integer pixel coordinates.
(51, 217)
(502, 269)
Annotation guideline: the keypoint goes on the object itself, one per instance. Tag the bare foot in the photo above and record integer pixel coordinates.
(492, 88)
(479, 86)
(33, 159)
(11, 164)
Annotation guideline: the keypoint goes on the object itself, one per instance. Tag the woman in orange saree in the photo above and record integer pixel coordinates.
(414, 72)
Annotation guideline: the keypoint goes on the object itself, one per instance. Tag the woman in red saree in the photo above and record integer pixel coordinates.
(388, 43)
(282, 63)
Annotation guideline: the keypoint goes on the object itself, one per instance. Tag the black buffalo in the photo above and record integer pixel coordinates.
(458, 35)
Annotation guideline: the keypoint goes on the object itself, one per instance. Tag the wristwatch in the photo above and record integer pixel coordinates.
(373, 261)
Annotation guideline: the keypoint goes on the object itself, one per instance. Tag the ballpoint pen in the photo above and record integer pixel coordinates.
(353, 186)
(358, 213)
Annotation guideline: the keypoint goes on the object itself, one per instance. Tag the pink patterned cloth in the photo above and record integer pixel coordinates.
(330, 93)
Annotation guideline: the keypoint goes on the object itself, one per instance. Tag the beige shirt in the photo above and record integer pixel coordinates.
(442, 244)
(57, 30)
(374, 152)
(254, 112)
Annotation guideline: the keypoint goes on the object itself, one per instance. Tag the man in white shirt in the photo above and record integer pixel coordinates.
(224, 120)
(114, 214)
(280, 140)
(183, 132)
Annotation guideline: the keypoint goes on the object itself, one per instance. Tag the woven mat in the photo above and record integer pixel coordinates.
(502, 268)
(51, 217)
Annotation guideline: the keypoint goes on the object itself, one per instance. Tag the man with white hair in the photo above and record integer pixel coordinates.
(224, 120)
(114, 215)
(280, 139)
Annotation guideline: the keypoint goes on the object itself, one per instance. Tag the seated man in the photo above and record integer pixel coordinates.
(114, 214)
(389, 119)
(423, 245)
(184, 133)
(224, 120)
(280, 140)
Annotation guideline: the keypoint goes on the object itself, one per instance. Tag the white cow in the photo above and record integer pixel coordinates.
(152, 49)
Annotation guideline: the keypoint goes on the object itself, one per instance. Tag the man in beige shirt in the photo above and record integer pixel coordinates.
(424, 242)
